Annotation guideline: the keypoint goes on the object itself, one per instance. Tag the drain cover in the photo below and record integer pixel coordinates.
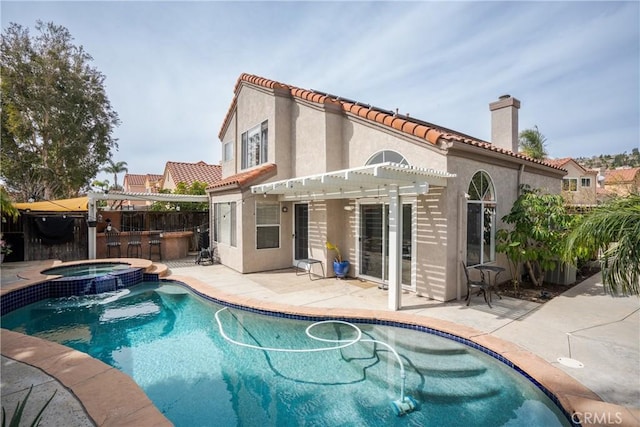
(571, 363)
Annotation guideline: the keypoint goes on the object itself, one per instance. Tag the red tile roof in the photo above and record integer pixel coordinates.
(558, 162)
(135, 179)
(154, 177)
(245, 178)
(427, 131)
(191, 172)
(617, 176)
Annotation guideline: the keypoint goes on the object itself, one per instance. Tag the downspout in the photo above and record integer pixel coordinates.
(519, 182)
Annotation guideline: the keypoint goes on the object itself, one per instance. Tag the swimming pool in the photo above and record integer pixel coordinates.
(168, 341)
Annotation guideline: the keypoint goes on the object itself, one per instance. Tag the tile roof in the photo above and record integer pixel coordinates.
(613, 176)
(558, 162)
(153, 177)
(191, 172)
(427, 131)
(135, 179)
(561, 163)
(245, 178)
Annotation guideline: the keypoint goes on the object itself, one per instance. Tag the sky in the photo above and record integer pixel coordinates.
(171, 67)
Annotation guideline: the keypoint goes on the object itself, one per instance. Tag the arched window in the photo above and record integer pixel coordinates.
(387, 156)
(481, 220)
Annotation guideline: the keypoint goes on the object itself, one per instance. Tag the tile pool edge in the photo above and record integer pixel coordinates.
(91, 381)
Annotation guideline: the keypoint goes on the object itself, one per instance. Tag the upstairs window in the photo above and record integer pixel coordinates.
(227, 151)
(585, 182)
(387, 156)
(254, 146)
(569, 184)
(481, 220)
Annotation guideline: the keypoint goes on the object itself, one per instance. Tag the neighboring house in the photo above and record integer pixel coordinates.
(177, 172)
(136, 183)
(405, 201)
(579, 185)
(621, 182)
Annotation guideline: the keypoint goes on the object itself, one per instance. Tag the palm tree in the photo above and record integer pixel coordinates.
(614, 229)
(115, 169)
(532, 143)
(6, 207)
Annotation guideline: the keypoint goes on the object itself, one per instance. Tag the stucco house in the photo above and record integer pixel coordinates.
(404, 200)
(188, 173)
(138, 183)
(579, 185)
(621, 182)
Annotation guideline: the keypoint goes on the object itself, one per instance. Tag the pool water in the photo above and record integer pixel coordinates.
(168, 341)
(93, 270)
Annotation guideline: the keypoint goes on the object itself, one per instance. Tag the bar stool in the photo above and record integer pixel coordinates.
(113, 241)
(155, 241)
(134, 243)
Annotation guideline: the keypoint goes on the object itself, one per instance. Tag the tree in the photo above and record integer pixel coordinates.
(6, 207)
(56, 118)
(540, 225)
(115, 169)
(614, 229)
(532, 143)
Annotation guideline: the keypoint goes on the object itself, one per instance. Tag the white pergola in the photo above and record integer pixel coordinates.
(389, 180)
(121, 195)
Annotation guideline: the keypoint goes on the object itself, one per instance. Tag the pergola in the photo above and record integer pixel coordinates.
(121, 195)
(389, 180)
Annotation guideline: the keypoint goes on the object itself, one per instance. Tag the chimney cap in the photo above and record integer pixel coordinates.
(506, 96)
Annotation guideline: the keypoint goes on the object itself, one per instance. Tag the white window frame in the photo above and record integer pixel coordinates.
(267, 222)
(566, 184)
(488, 205)
(255, 144)
(224, 216)
(227, 151)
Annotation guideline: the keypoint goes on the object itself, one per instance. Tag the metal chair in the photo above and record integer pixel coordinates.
(155, 241)
(134, 243)
(472, 285)
(113, 242)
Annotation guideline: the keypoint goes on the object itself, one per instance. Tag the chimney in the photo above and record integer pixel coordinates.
(504, 122)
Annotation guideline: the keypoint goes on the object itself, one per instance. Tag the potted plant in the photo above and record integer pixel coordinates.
(340, 266)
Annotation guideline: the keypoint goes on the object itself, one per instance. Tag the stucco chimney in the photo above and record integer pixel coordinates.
(504, 122)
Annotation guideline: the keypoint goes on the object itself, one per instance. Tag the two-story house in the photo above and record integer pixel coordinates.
(579, 185)
(406, 201)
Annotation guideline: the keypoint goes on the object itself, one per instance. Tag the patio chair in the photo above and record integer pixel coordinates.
(475, 285)
(134, 243)
(113, 242)
(155, 241)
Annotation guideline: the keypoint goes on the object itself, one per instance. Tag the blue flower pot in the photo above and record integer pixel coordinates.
(341, 268)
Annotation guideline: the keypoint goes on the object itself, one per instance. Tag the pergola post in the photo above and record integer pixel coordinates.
(395, 249)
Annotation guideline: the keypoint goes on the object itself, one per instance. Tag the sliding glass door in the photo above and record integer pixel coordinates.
(374, 242)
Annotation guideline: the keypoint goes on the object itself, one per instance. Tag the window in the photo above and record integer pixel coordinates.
(387, 156)
(267, 225)
(569, 184)
(254, 146)
(585, 182)
(224, 226)
(228, 151)
(481, 220)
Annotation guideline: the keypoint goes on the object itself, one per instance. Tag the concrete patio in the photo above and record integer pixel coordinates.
(596, 329)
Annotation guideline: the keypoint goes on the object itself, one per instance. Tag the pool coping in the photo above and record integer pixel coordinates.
(86, 377)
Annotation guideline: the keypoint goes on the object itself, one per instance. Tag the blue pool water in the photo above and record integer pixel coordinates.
(92, 270)
(169, 342)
